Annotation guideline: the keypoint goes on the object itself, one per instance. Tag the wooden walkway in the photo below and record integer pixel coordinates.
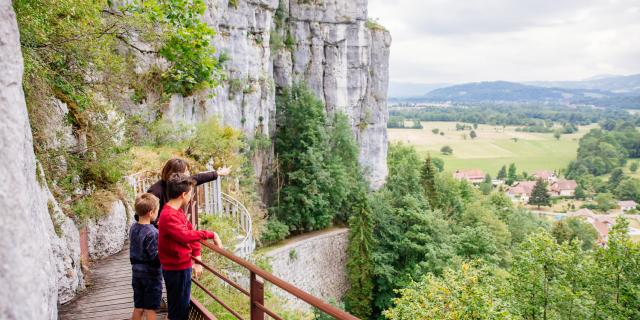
(109, 296)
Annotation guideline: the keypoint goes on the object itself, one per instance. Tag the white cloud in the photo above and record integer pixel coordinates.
(458, 41)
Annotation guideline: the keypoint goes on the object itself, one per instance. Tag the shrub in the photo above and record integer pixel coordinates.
(275, 42)
(273, 232)
(187, 48)
(446, 150)
(217, 143)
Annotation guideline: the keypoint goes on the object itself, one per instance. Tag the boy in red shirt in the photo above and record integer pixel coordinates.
(177, 244)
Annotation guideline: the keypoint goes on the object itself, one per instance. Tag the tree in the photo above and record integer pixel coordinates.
(574, 229)
(358, 299)
(502, 174)
(487, 185)
(617, 175)
(435, 130)
(605, 202)
(580, 194)
(428, 179)
(473, 134)
(540, 195)
(438, 163)
(628, 189)
(561, 232)
(467, 292)
(557, 134)
(512, 175)
(477, 243)
(633, 167)
(446, 150)
(548, 280)
(316, 167)
(615, 276)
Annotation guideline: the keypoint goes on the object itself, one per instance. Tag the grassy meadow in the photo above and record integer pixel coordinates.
(494, 146)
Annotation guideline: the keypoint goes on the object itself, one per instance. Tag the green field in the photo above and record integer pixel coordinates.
(494, 147)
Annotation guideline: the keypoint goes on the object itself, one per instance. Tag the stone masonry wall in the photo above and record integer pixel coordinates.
(316, 265)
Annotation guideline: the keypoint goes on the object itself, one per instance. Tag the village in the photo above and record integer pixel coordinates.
(563, 203)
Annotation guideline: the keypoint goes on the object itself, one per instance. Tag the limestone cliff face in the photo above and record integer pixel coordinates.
(28, 290)
(342, 60)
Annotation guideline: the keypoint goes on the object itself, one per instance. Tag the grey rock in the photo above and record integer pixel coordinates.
(107, 235)
(28, 289)
(65, 248)
(340, 59)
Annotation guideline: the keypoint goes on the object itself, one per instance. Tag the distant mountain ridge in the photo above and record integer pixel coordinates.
(616, 91)
(617, 84)
(512, 91)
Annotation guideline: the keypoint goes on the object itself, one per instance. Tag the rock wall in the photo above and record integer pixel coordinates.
(107, 235)
(28, 290)
(341, 59)
(65, 249)
(316, 265)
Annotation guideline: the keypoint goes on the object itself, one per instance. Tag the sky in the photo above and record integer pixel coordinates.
(456, 41)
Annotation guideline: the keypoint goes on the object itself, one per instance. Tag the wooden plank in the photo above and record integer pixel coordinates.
(100, 308)
(112, 314)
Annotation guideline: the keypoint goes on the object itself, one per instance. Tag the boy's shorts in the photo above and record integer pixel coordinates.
(147, 292)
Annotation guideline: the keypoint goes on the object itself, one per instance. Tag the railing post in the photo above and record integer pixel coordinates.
(257, 296)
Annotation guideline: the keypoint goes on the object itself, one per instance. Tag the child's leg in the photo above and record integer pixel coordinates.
(150, 314)
(178, 285)
(137, 314)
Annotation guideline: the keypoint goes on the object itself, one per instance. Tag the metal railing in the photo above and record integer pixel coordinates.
(209, 199)
(257, 278)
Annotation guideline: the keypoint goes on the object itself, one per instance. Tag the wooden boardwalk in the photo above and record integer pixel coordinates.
(109, 295)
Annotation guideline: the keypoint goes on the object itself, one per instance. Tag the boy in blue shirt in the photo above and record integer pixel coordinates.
(145, 265)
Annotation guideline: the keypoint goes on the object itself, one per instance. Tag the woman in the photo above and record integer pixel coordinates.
(177, 165)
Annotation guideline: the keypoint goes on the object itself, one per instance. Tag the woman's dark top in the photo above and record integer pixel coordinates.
(159, 188)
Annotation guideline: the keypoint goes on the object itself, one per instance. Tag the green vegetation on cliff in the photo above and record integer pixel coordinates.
(79, 57)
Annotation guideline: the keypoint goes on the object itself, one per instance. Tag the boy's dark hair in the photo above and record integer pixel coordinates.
(146, 203)
(178, 184)
(175, 165)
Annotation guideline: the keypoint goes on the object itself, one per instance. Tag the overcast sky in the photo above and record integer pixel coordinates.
(453, 41)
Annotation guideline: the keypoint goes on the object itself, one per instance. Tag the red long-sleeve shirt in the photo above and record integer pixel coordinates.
(177, 241)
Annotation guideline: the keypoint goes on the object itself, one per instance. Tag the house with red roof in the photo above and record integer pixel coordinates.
(546, 175)
(521, 191)
(474, 176)
(564, 188)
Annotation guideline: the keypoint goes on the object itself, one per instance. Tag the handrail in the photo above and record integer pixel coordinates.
(256, 289)
(244, 220)
(214, 201)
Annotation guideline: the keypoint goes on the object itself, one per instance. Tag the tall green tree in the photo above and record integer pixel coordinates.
(428, 179)
(360, 267)
(512, 174)
(617, 175)
(502, 174)
(539, 194)
(303, 199)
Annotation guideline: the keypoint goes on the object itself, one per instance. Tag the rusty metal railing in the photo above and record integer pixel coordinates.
(257, 277)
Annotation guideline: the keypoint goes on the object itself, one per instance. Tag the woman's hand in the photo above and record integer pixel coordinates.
(224, 171)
